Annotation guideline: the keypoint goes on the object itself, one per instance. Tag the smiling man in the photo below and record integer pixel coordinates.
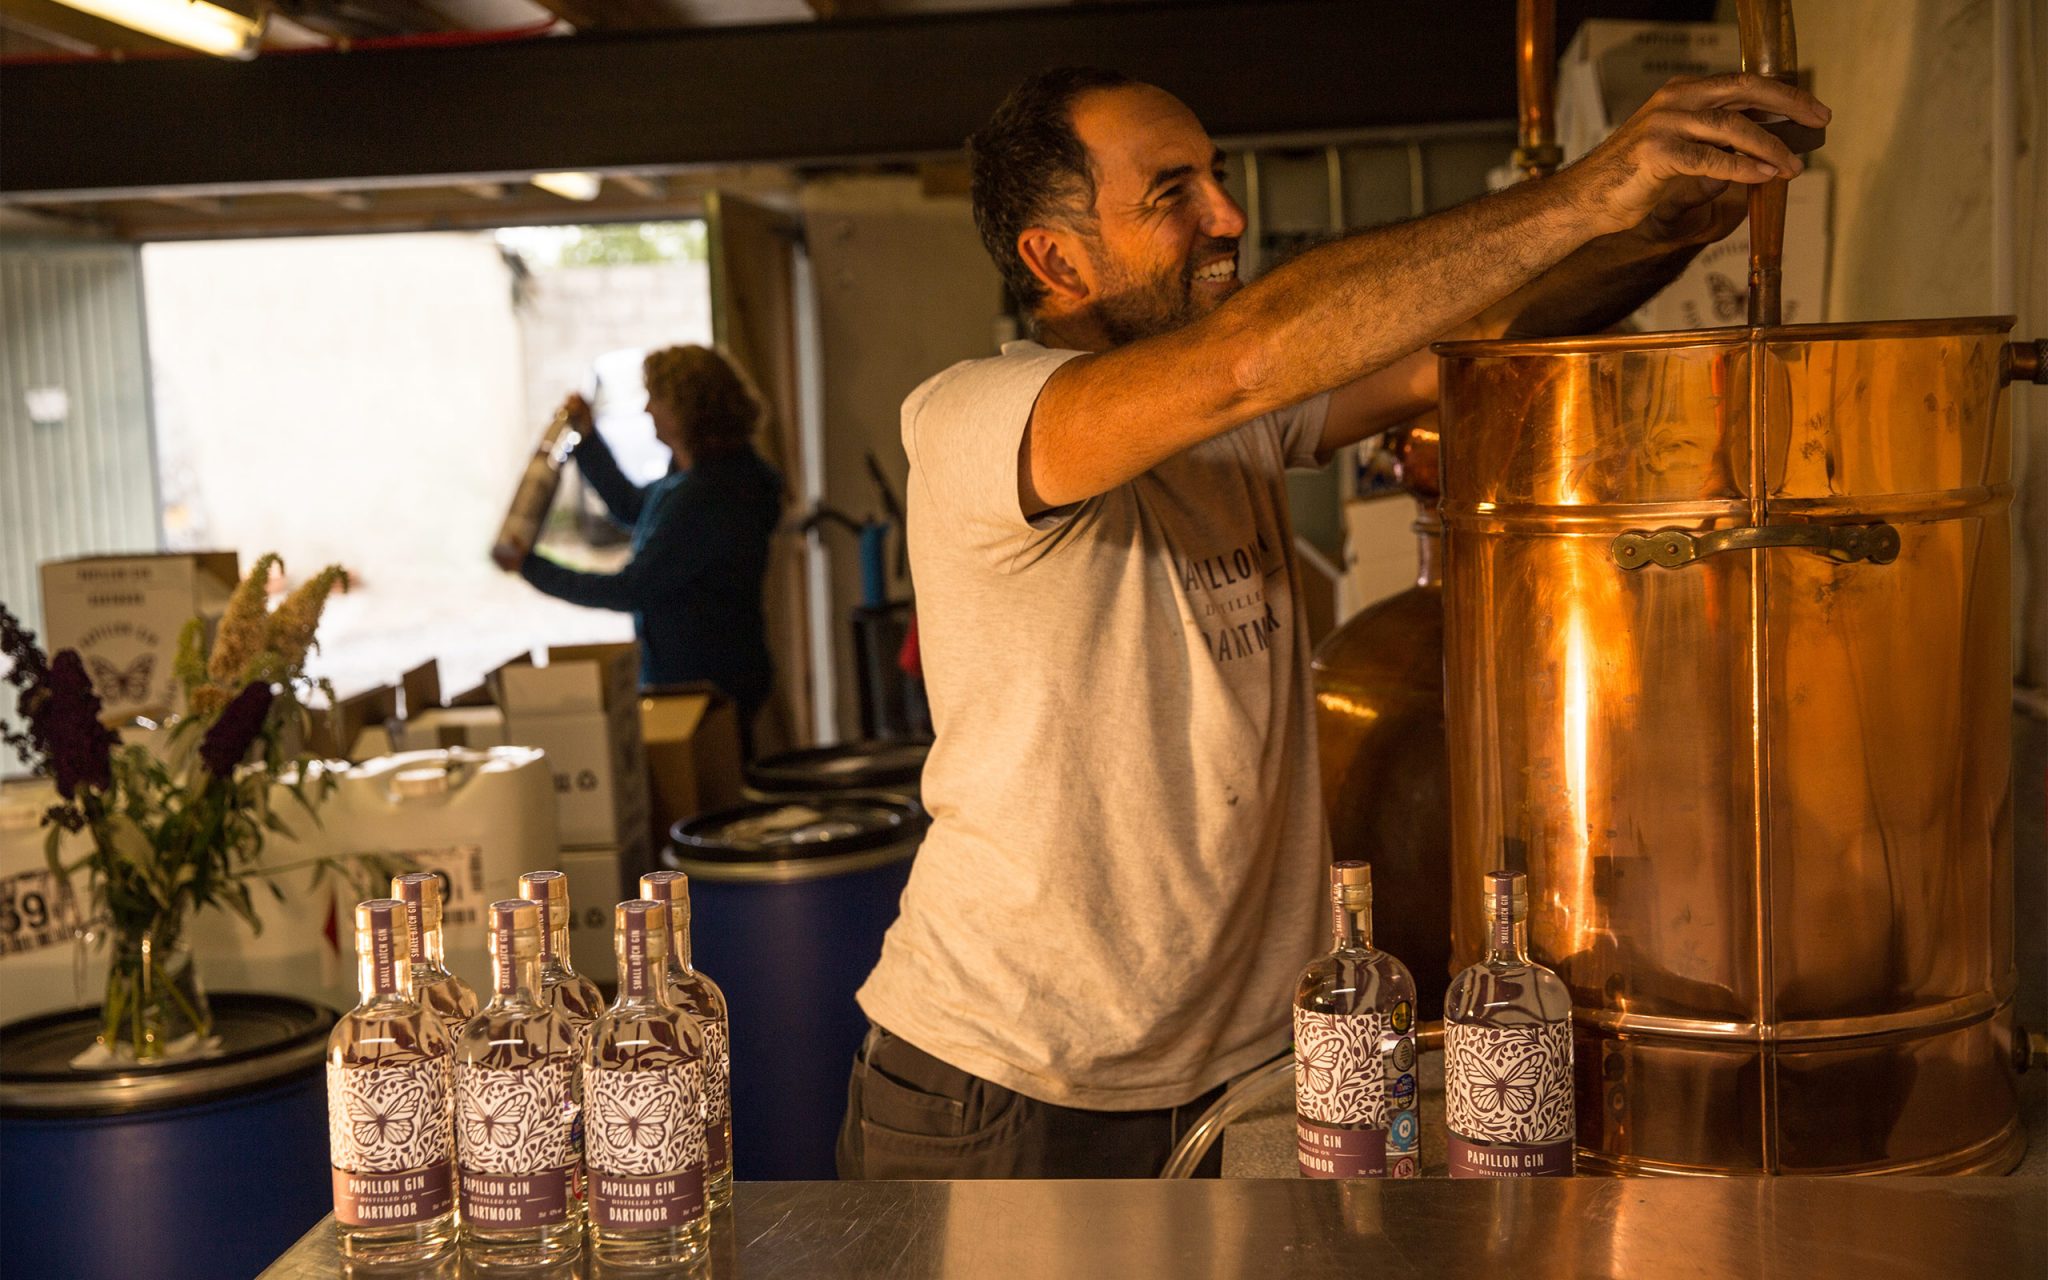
(1126, 859)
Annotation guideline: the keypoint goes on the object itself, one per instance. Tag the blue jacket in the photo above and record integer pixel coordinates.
(693, 586)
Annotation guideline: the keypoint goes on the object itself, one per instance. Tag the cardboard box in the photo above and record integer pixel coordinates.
(599, 880)
(693, 755)
(123, 615)
(583, 709)
(1608, 71)
(439, 727)
(1611, 67)
(420, 688)
(1714, 290)
(331, 731)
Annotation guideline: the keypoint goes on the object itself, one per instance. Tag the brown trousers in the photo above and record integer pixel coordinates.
(909, 1115)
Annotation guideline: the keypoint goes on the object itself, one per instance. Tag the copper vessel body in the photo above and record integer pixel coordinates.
(1379, 682)
(1763, 794)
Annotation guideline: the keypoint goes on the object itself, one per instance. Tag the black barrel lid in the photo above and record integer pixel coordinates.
(263, 1038)
(814, 826)
(847, 766)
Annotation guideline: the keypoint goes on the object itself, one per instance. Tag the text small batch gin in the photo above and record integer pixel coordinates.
(643, 1098)
(1355, 1097)
(389, 1090)
(515, 1110)
(1508, 1053)
(698, 996)
(432, 983)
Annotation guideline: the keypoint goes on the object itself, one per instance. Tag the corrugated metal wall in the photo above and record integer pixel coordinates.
(71, 322)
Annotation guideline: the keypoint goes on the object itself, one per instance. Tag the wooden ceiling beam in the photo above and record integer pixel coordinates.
(645, 185)
(795, 93)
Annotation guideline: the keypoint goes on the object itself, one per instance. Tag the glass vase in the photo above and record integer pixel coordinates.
(155, 1008)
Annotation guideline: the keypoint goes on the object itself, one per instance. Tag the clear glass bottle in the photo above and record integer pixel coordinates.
(700, 997)
(432, 983)
(563, 989)
(515, 1110)
(1508, 1102)
(573, 995)
(389, 1078)
(1354, 1049)
(643, 1097)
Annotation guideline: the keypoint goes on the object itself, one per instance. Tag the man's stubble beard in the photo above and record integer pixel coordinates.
(1132, 308)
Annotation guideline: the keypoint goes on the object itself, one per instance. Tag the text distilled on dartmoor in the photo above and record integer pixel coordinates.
(1354, 1049)
(515, 1109)
(1508, 1053)
(643, 1110)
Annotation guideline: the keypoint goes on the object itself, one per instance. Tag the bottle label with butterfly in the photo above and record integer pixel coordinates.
(514, 1145)
(1342, 1091)
(718, 1092)
(645, 1146)
(388, 1142)
(1508, 1100)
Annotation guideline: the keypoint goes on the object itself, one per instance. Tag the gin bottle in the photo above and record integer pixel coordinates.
(1354, 1049)
(700, 997)
(432, 984)
(574, 996)
(388, 1093)
(1508, 1053)
(643, 1098)
(515, 1110)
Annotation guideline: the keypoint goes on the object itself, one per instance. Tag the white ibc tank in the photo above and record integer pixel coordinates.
(42, 968)
(480, 818)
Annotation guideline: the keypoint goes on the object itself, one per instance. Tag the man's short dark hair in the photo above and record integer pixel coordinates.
(1028, 165)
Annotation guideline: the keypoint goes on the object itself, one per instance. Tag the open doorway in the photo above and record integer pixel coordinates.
(371, 400)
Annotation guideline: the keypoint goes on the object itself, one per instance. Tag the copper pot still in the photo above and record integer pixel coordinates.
(1728, 674)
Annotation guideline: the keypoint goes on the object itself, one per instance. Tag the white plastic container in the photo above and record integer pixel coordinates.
(41, 969)
(478, 817)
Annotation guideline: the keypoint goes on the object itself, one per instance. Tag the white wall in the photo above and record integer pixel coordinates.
(356, 399)
(904, 289)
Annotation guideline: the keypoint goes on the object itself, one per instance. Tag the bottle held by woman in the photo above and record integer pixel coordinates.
(1508, 1053)
(643, 1098)
(433, 985)
(515, 1110)
(389, 1082)
(700, 997)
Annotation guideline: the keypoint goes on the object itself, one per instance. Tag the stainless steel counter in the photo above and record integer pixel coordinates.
(1233, 1229)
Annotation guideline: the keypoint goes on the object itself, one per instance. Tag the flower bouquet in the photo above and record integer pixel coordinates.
(177, 828)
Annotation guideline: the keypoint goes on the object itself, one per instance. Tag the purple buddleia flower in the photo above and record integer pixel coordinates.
(64, 720)
(240, 721)
(27, 668)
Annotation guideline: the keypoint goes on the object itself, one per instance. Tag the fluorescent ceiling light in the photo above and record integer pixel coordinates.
(569, 186)
(192, 23)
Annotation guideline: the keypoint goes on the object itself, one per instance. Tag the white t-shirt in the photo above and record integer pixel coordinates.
(1125, 867)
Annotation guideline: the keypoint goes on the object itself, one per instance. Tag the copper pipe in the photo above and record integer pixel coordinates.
(1536, 83)
(1768, 49)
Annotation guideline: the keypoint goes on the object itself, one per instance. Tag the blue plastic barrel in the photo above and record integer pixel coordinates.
(789, 901)
(203, 1170)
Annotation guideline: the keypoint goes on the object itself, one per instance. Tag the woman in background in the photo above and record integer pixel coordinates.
(700, 533)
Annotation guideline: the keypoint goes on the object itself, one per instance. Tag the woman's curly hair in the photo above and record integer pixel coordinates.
(714, 402)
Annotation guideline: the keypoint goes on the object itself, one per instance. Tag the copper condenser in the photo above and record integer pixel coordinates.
(1728, 665)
